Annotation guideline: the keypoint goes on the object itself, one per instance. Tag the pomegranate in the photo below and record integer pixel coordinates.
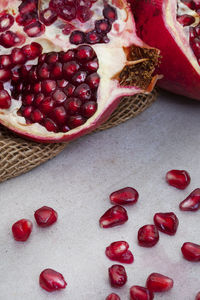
(140, 293)
(124, 196)
(45, 216)
(22, 229)
(180, 179)
(78, 57)
(191, 251)
(178, 40)
(148, 236)
(50, 280)
(159, 283)
(198, 296)
(113, 297)
(114, 216)
(117, 275)
(166, 222)
(192, 202)
(119, 251)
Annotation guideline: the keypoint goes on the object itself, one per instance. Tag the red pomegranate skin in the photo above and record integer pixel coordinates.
(45, 216)
(22, 229)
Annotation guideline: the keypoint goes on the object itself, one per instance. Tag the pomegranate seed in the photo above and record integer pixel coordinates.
(37, 87)
(33, 73)
(56, 71)
(196, 46)
(159, 283)
(26, 19)
(186, 20)
(27, 6)
(65, 128)
(34, 29)
(55, 4)
(117, 275)
(140, 293)
(5, 75)
(28, 99)
(45, 216)
(38, 99)
(93, 81)
(113, 297)
(67, 29)
(48, 16)
(110, 13)
(51, 281)
(126, 258)
(5, 99)
(15, 75)
(73, 106)
(68, 12)
(77, 37)
(83, 92)
(166, 222)
(51, 58)
(89, 108)
(178, 178)
(59, 115)
(62, 83)
(22, 229)
(67, 56)
(102, 26)
(8, 39)
(83, 14)
(32, 51)
(48, 86)
(127, 195)
(50, 125)
(5, 61)
(59, 96)
(42, 58)
(47, 105)
(119, 251)
(18, 57)
(191, 251)
(27, 111)
(24, 70)
(198, 296)
(192, 202)
(6, 21)
(76, 121)
(114, 216)
(79, 77)
(92, 66)
(70, 68)
(37, 116)
(69, 90)
(43, 71)
(148, 236)
(92, 37)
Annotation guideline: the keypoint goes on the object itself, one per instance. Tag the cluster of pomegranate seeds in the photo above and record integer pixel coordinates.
(166, 222)
(22, 229)
(192, 202)
(118, 251)
(140, 293)
(51, 280)
(114, 216)
(148, 236)
(191, 251)
(180, 179)
(158, 283)
(45, 216)
(117, 276)
(113, 297)
(127, 195)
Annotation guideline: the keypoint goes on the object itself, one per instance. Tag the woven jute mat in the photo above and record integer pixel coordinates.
(18, 156)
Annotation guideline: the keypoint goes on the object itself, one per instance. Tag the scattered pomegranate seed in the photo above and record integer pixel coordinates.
(89, 108)
(77, 37)
(119, 251)
(51, 280)
(124, 196)
(5, 99)
(148, 236)
(48, 16)
(22, 229)
(6, 21)
(114, 216)
(34, 29)
(45, 216)
(117, 275)
(191, 251)
(178, 178)
(166, 222)
(192, 202)
(110, 13)
(198, 296)
(159, 283)
(113, 297)
(140, 293)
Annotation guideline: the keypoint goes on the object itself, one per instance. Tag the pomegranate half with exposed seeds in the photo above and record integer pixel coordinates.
(174, 27)
(65, 65)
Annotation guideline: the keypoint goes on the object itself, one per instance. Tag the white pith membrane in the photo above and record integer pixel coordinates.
(180, 33)
(112, 59)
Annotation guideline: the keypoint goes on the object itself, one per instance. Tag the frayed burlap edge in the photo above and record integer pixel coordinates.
(18, 156)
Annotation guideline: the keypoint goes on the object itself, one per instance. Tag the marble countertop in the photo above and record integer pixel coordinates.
(77, 184)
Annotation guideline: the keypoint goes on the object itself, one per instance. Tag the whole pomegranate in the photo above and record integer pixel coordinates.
(65, 65)
(173, 26)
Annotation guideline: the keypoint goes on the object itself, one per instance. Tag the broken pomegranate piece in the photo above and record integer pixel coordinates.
(118, 251)
(51, 280)
(45, 216)
(114, 216)
(140, 293)
(22, 229)
(180, 179)
(117, 276)
(191, 251)
(192, 202)
(124, 196)
(166, 222)
(158, 283)
(148, 236)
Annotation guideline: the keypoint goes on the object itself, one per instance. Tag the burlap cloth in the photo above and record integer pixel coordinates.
(18, 156)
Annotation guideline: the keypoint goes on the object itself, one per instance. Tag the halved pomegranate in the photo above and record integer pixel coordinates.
(75, 62)
(173, 27)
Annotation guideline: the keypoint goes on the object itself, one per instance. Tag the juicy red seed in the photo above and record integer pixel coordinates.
(48, 16)
(15, 75)
(192, 202)
(117, 275)
(148, 236)
(50, 125)
(37, 87)
(26, 19)
(114, 216)
(42, 58)
(113, 297)
(56, 71)
(5, 75)
(79, 77)
(73, 106)
(116, 249)
(166, 222)
(198, 296)
(27, 6)
(5, 99)
(140, 293)
(66, 56)
(102, 26)
(22, 229)
(37, 116)
(126, 258)
(77, 37)
(47, 105)
(33, 73)
(6, 21)
(59, 96)
(51, 280)
(178, 178)
(48, 86)
(159, 283)
(32, 51)
(75, 121)
(56, 3)
(186, 20)
(59, 115)
(68, 12)
(38, 99)
(27, 111)
(110, 13)
(69, 90)
(9, 39)
(28, 99)
(83, 92)
(93, 81)
(92, 37)
(45, 216)
(51, 57)
(62, 83)
(67, 29)
(5, 61)
(24, 71)
(85, 53)
(83, 14)
(43, 71)
(191, 251)
(65, 128)
(127, 195)
(89, 108)
(70, 68)
(18, 57)
(92, 66)
(34, 29)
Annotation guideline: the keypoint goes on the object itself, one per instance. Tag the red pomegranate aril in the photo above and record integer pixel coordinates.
(83, 92)
(77, 37)
(45, 216)
(38, 99)
(9, 39)
(48, 86)
(113, 297)
(65, 128)
(92, 65)
(79, 77)
(73, 106)
(126, 258)
(140, 293)
(32, 51)
(59, 96)
(116, 249)
(92, 37)
(5, 99)
(116, 215)
(159, 283)
(5, 75)
(18, 57)
(6, 21)
(50, 125)
(47, 105)
(15, 76)
(26, 19)
(186, 20)
(197, 296)
(76, 121)
(62, 83)
(67, 29)
(68, 12)
(27, 6)
(48, 16)
(178, 178)
(66, 56)
(69, 89)
(51, 280)
(83, 14)
(166, 222)
(37, 116)
(110, 13)
(28, 99)
(5, 61)
(42, 58)
(102, 26)
(43, 71)
(70, 68)
(27, 111)
(85, 53)
(51, 57)
(59, 115)
(148, 236)
(21, 230)
(89, 108)
(192, 202)
(24, 71)
(117, 276)
(35, 29)
(127, 195)
(191, 251)
(37, 87)
(93, 81)
(56, 71)
(33, 73)
(55, 4)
